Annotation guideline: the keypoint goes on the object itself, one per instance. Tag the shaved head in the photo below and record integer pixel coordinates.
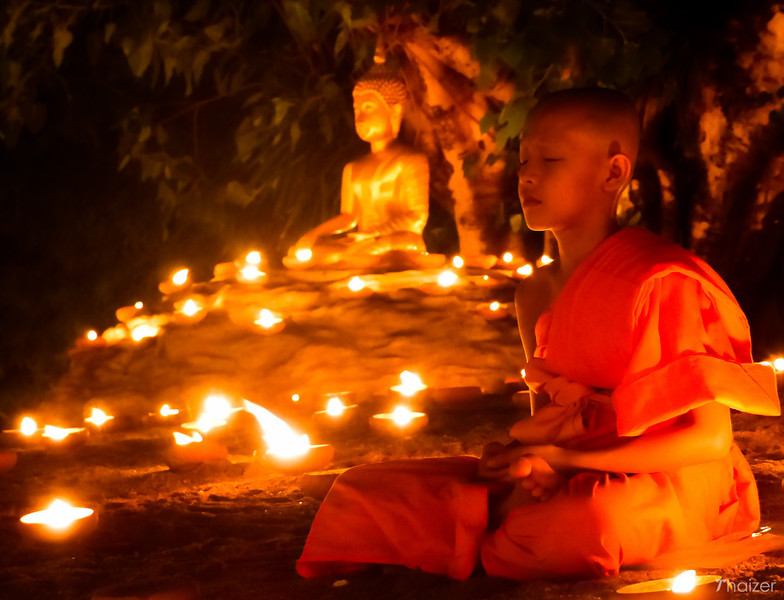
(607, 114)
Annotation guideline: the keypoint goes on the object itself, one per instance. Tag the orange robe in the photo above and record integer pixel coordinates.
(643, 332)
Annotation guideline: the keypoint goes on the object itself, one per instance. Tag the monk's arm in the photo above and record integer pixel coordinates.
(701, 435)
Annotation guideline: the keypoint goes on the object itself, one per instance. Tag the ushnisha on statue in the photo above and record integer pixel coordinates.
(384, 194)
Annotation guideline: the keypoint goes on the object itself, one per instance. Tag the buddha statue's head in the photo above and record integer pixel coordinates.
(378, 104)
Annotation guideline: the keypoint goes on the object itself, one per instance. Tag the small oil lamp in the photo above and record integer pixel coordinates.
(250, 274)
(126, 313)
(28, 430)
(493, 310)
(189, 451)
(410, 385)
(525, 271)
(64, 436)
(287, 451)
(458, 262)
(685, 585)
(59, 522)
(216, 413)
(543, 260)
(509, 261)
(98, 418)
(269, 322)
(165, 414)
(190, 310)
(336, 413)
(178, 282)
(90, 339)
(400, 420)
(447, 280)
(115, 334)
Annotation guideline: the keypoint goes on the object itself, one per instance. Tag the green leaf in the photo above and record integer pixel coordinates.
(487, 122)
(281, 108)
(139, 54)
(61, 39)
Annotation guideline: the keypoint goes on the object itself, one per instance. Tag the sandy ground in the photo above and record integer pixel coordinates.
(232, 529)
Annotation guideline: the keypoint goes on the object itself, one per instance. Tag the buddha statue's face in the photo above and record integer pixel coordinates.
(374, 120)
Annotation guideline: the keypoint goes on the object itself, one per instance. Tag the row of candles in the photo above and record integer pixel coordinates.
(134, 325)
(287, 451)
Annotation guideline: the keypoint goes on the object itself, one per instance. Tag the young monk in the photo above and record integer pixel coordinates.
(636, 352)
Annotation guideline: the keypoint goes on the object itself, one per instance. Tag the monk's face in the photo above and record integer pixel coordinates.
(562, 167)
(372, 117)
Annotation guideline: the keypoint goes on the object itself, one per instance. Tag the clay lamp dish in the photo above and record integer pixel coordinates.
(189, 451)
(401, 421)
(59, 522)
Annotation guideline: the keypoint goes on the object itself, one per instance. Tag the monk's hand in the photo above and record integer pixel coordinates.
(496, 459)
(535, 474)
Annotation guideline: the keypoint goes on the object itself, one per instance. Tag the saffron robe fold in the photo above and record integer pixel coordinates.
(643, 332)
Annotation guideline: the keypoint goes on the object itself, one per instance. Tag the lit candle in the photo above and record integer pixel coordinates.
(60, 436)
(177, 283)
(98, 417)
(336, 413)
(686, 584)
(189, 451)
(269, 322)
(493, 310)
(28, 429)
(400, 420)
(190, 310)
(250, 274)
(287, 451)
(525, 271)
(59, 521)
(143, 329)
(216, 413)
(355, 284)
(446, 281)
(115, 334)
(304, 254)
(126, 313)
(410, 385)
(543, 260)
(458, 262)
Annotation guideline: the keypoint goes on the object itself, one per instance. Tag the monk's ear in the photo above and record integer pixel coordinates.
(619, 173)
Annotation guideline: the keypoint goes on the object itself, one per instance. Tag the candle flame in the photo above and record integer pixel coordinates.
(190, 308)
(526, 270)
(58, 434)
(494, 306)
(355, 284)
(458, 262)
(295, 397)
(167, 411)
(410, 384)
(180, 277)
(304, 254)
(98, 417)
(335, 407)
(182, 439)
(115, 334)
(778, 364)
(28, 426)
(250, 273)
(91, 335)
(507, 257)
(139, 305)
(144, 330)
(267, 319)
(253, 257)
(685, 582)
(281, 440)
(402, 416)
(447, 278)
(543, 260)
(59, 515)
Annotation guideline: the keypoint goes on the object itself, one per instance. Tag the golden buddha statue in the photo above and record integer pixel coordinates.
(384, 194)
